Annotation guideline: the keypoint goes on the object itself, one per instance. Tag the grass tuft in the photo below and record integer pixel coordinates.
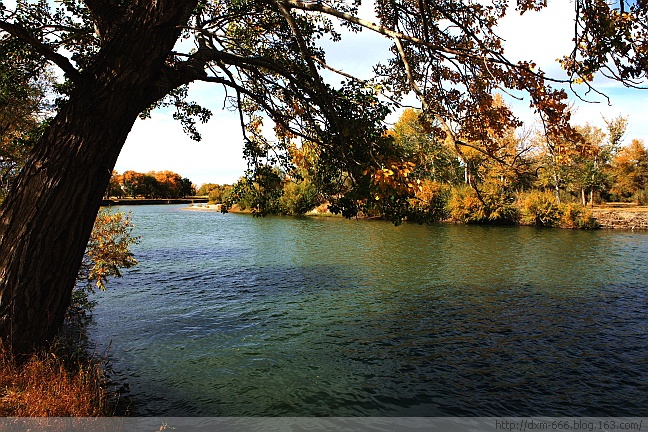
(46, 385)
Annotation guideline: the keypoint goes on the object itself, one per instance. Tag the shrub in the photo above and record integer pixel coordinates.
(497, 206)
(464, 206)
(298, 198)
(430, 203)
(500, 206)
(539, 209)
(542, 209)
(577, 216)
(218, 194)
(108, 251)
(47, 385)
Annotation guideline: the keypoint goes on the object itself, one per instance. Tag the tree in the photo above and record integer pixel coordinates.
(582, 165)
(133, 183)
(186, 188)
(630, 170)
(167, 184)
(121, 59)
(588, 162)
(115, 186)
(154, 184)
(433, 159)
(206, 188)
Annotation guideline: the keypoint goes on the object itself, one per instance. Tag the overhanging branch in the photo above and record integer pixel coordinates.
(46, 51)
(277, 116)
(459, 52)
(311, 65)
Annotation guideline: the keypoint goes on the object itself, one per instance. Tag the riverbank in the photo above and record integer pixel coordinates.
(321, 211)
(204, 207)
(609, 216)
(622, 216)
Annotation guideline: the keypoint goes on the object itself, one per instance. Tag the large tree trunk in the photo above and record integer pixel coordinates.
(46, 220)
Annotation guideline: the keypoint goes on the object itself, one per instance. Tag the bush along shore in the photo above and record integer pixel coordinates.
(462, 205)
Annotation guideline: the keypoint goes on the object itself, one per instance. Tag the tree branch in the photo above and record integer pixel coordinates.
(337, 71)
(311, 65)
(46, 51)
(461, 52)
(276, 116)
(106, 14)
(194, 68)
(319, 7)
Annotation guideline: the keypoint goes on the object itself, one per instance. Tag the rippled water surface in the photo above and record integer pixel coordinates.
(233, 315)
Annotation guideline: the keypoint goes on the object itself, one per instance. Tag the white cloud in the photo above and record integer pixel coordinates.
(159, 143)
(542, 36)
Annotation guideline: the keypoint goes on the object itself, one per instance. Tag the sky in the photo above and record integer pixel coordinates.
(160, 144)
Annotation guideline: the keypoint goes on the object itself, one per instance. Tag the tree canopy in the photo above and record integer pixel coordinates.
(122, 59)
(267, 54)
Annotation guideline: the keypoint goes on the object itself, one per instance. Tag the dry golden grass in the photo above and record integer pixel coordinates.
(44, 386)
(622, 207)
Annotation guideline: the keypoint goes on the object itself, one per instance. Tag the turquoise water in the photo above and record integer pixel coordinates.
(233, 315)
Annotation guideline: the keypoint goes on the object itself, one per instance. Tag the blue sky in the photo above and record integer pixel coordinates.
(159, 143)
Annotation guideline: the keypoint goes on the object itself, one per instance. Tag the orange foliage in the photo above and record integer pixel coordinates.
(154, 184)
(44, 387)
(393, 178)
(108, 249)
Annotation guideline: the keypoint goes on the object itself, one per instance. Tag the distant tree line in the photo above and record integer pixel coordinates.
(154, 184)
(217, 193)
(506, 178)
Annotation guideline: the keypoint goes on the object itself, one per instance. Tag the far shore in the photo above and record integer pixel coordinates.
(205, 207)
(152, 201)
(235, 209)
(609, 216)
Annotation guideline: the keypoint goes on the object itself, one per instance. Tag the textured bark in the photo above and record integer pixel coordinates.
(46, 220)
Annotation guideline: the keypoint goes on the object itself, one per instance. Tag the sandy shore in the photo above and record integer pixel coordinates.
(204, 207)
(622, 216)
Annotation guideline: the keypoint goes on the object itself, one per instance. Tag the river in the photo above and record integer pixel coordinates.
(231, 315)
